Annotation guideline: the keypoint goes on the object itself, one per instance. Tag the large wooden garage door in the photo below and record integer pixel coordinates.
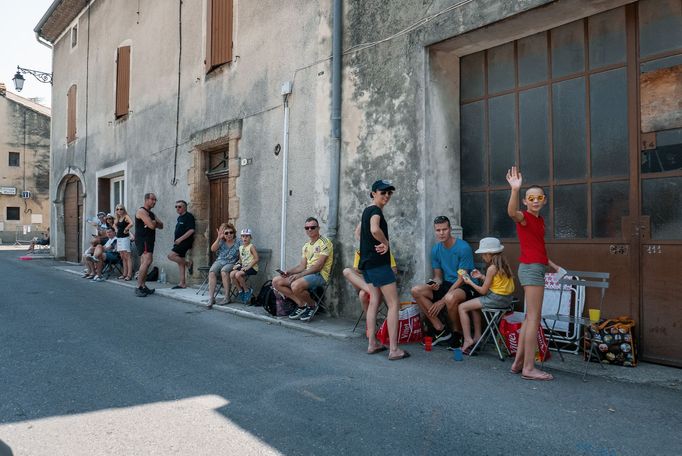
(73, 213)
(588, 111)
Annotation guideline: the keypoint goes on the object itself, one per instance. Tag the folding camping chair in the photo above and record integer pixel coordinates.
(203, 270)
(112, 265)
(574, 319)
(382, 305)
(264, 256)
(319, 294)
(492, 329)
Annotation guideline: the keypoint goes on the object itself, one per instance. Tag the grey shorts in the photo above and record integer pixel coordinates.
(532, 274)
(495, 301)
(221, 266)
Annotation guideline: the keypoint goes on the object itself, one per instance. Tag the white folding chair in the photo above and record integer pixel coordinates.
(492, 318)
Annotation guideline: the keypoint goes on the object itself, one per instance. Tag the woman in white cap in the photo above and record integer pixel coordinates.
(247, 266)
(496, 291)
(375, 264)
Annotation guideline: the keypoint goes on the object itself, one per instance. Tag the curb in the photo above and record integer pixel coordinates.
(305, 327)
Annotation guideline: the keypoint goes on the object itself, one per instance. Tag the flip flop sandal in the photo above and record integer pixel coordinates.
(514, 371)
(377, 350)
(178, 287)
(396, 358)
(127, 279)
(121, 277)
(541, 378)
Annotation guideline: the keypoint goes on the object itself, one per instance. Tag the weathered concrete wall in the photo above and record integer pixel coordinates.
(272, 44)
(27, 132)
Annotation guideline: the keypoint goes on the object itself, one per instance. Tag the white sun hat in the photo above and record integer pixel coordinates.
(490, 245)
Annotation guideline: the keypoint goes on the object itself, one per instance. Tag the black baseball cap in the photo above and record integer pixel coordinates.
(381, 184)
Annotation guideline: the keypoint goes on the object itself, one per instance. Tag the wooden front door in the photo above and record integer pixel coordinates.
(218, 175)
(590, 111)
(659, 158)
(218, 207)
(73, 217)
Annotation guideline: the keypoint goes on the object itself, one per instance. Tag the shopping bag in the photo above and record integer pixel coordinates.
(510, 326)
(409, 326)
(615, 340)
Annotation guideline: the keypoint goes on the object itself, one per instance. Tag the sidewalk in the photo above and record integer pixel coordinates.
(342, 328)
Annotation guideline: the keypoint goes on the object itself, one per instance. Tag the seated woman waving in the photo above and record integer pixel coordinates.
(226, 247)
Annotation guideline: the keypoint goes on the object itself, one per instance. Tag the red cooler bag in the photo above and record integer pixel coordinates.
(510, 327)
(409, 325)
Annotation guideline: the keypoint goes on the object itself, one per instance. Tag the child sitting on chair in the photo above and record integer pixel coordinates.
(247, 266)
(496, 291)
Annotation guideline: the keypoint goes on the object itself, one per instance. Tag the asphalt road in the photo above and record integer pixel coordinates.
(88, 369)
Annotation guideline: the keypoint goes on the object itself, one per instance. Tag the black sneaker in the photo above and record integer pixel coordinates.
(297, 313)
(308, 313)
(148, 290)
(455, 341)
(441, 336)
(140, 292)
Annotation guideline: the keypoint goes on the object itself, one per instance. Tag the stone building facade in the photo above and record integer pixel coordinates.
(24, 168)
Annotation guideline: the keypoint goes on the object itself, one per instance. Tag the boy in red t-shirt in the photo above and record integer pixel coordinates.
(530, 227)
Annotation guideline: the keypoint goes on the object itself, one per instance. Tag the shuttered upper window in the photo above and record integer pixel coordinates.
(71, 114)
(218, 33)
(122, 81)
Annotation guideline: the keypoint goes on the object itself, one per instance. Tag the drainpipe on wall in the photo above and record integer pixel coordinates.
(335, 159)
(286, 91)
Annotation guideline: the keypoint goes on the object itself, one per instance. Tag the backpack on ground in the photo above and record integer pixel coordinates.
(284, 306)
(266, 298)
(153, 274)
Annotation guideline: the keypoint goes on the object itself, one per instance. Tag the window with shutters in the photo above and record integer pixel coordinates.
(218, 33)
(122, 81)
(71, 114)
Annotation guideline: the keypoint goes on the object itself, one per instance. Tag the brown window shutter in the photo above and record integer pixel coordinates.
(122, 81)
(71, 114)
(219, 33)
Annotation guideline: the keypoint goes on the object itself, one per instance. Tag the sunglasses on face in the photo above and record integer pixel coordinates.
(385, 192)
(178, 207)
(310, 228)
(534, 198)
(229, 232)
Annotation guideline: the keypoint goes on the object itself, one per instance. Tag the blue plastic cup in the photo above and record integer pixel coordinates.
(457, 354)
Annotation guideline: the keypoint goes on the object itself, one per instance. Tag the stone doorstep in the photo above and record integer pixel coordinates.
(340, 328)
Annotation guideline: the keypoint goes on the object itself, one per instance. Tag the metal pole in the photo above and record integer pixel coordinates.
(285, 185)
(335, 157)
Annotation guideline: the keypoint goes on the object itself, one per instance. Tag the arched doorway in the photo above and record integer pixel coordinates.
(73, 218)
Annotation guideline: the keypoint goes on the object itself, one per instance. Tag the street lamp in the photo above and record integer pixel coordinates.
(39, 75)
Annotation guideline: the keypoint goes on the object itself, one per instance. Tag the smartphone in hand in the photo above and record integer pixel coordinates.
(280, 272)
(431, 282)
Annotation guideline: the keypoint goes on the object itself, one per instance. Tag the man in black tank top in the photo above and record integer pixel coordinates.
(146, 224)
(184, 238)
